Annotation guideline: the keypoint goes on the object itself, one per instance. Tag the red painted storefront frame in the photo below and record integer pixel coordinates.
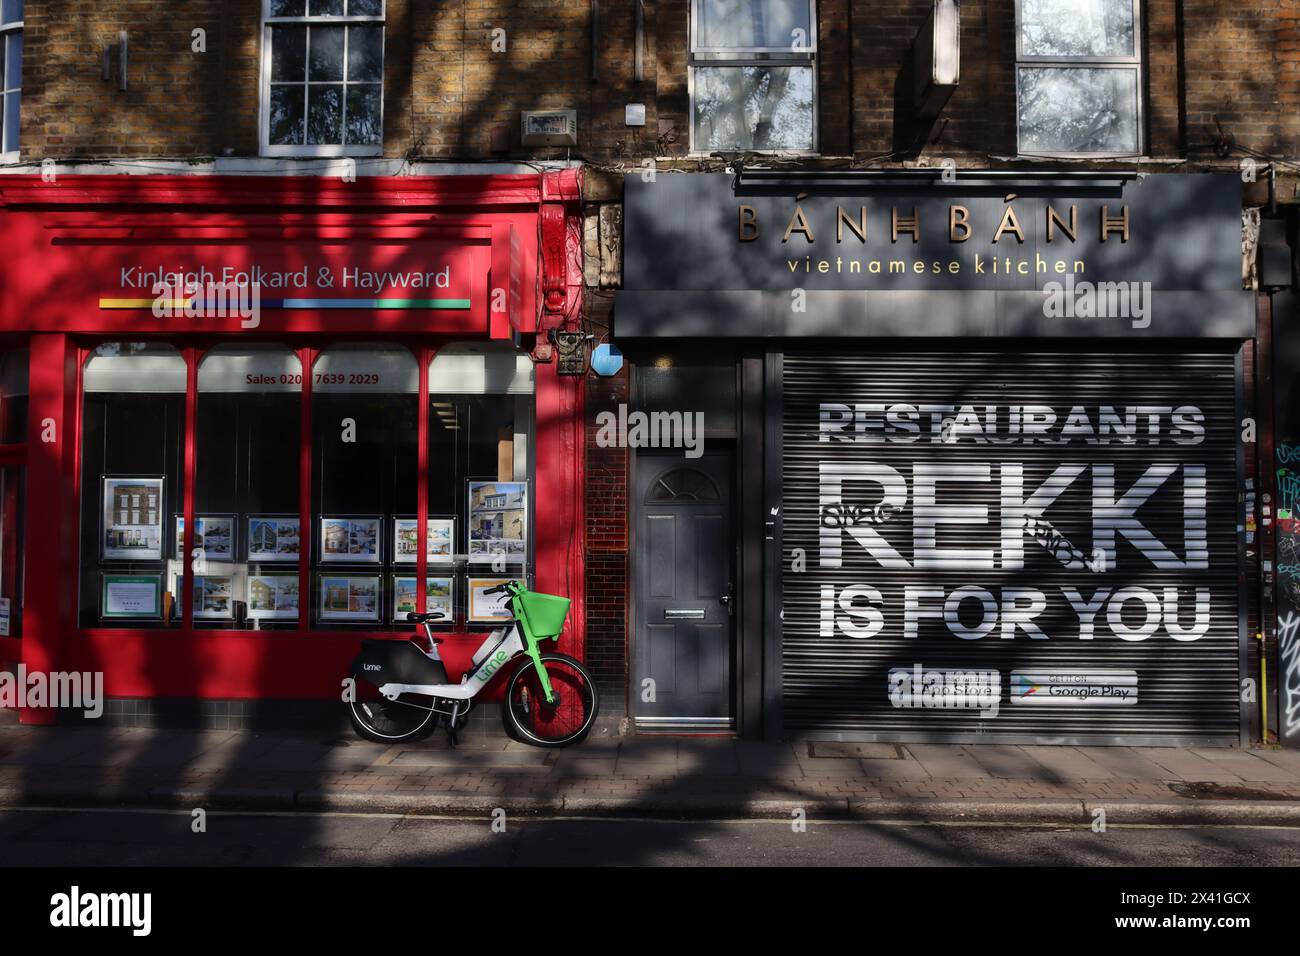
(524, 226)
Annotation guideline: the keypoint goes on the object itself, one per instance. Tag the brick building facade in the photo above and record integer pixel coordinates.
(1217, 86)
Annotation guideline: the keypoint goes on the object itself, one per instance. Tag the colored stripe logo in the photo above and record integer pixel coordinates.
(371, 304)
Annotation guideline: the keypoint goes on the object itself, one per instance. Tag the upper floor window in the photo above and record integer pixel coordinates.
(1078, 77)
(322, 77)
(11, 76)
(753, 75)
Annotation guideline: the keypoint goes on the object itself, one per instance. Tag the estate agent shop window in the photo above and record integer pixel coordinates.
(246, 479)
(132, 447)
(365, 415)
(480, 465)
(13, 451)
(249, 545)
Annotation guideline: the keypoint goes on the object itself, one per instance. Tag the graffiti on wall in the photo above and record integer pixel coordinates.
(1288, 587)
(1288, 652)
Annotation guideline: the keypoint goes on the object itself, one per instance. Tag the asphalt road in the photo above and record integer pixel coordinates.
(137, 838)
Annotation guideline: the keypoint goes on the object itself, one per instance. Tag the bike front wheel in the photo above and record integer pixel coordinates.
(566, 720)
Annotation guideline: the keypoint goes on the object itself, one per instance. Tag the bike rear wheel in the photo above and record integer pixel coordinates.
(568, 720)
(376, 718)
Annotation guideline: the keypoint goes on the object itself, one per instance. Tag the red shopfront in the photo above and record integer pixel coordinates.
(374, 436)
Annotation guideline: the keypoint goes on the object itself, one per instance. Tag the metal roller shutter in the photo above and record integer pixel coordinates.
(1052, 489)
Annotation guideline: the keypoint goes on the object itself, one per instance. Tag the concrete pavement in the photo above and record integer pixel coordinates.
(645, 776)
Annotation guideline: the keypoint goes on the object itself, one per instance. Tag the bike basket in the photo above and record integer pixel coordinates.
(545, 613)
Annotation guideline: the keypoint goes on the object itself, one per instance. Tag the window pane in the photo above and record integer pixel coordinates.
(753, 107)
(481, 369)
(12, 488)
(325, 8)
(133, 428)
(365, 8)
(1078, 110)
(13, 11)
(288, 53)
(3, 47)
(13, 395)
(11, 110)
(324, 115)
(14, 62)
(326, 60)
(288, 8)
(286, 115)
(1076, 27)
(246, 488)
(365, 54)
(480, 431)
(364, 125)
(365, 415)
(742, 24)
(667, 384)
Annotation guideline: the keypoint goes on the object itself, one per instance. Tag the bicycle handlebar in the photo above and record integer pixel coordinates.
(500, 587)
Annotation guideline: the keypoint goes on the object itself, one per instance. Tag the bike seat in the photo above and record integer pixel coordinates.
(433, 617)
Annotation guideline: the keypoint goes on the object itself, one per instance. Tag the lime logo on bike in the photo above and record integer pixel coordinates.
(492, 666)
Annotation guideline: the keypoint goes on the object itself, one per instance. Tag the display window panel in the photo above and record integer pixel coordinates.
(272, 597)
(440, 540)
(13, 395)
(246, 485)
(365, 474)
(439, 598)
(349, 599)
(480, 460)
(132, 449)
(12, 510)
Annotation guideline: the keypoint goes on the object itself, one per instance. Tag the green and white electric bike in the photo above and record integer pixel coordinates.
(400, 690)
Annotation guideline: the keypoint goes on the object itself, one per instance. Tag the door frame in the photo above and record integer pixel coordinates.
(636, 513)
(746, 668)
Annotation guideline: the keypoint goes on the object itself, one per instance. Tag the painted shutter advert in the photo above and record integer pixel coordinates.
(1010, 545)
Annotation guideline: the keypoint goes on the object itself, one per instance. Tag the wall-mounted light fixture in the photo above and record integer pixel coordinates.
(638, 43)
(107, 70)
(991, 182)
(936, 54)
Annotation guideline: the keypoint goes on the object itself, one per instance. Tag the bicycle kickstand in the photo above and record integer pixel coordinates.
(451, 726)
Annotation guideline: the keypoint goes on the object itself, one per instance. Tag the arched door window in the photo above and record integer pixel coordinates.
(682, 485)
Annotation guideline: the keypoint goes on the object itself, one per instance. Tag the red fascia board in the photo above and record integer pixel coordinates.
(342, 224)
(280, 192)
(241, 232)
(219, 234)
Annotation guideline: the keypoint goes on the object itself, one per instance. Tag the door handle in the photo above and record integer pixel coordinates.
(728, 600)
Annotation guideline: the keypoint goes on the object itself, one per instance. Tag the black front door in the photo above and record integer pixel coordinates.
(684, 578)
